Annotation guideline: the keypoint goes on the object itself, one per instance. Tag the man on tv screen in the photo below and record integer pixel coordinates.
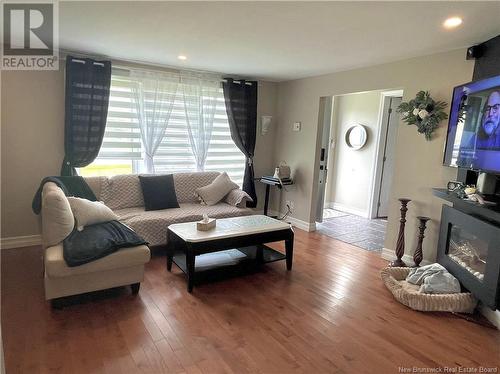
(488, 133)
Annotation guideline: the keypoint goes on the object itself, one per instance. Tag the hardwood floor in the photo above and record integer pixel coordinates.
(330, 314)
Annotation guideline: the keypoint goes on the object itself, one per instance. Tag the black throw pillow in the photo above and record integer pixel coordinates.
(158, 192)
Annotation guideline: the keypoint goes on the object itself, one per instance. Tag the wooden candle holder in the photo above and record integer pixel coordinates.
(418, 255)
(400, 245)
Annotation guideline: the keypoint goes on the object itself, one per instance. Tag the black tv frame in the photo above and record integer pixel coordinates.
(495, 172)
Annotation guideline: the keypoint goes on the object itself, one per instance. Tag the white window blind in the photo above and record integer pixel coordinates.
(122, 138)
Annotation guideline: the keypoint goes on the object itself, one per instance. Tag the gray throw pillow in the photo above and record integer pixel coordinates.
(238, 198)
(215, 191)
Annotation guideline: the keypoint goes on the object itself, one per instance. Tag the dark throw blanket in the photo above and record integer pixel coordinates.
(97, 241)
(71, 186)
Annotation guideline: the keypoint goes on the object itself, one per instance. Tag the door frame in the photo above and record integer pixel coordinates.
(379, 153)
(325, 121)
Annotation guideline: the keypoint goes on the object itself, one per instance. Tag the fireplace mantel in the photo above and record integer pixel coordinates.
(488, 212)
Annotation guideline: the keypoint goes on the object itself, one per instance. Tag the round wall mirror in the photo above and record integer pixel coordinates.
(356, 137)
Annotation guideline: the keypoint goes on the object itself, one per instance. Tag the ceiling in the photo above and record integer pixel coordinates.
(272, 40)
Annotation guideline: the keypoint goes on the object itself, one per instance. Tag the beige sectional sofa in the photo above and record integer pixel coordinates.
(123, 194)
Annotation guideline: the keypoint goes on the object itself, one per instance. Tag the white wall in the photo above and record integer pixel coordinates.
(418, 166)
(351, 171)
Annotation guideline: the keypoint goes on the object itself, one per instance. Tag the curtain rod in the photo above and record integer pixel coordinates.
(129, 68)
(83, 62)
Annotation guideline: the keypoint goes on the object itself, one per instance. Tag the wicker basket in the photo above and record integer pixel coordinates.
(408, 294)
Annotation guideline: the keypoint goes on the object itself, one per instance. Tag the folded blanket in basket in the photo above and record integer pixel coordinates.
(433, 278)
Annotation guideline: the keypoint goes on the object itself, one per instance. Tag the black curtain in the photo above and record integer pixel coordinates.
(241, 108)
(86, 109)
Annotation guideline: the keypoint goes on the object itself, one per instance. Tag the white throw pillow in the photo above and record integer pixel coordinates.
(215, 191)
(88, 212)
(57, 218)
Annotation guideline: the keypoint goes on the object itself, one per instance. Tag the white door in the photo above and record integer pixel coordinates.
(325, 122)
(390, 122)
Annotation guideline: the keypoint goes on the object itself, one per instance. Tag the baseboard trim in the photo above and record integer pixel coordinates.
(20, 241)
(303, 225)
(346, 209)
(328, 205)
(389, 255)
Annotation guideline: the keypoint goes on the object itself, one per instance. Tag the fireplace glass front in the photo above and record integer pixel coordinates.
(469, 248)
(469, 251)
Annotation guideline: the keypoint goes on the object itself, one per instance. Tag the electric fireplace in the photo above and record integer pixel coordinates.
(469, 247)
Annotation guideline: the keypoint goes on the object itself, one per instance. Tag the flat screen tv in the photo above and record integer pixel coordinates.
(473, 140)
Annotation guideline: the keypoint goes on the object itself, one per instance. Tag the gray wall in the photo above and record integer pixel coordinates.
(32, 143)
(32, 139)
(418, 165)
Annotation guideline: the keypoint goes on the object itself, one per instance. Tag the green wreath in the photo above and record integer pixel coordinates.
(424, 112)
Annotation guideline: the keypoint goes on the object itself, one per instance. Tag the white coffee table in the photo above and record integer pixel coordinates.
(246, 234)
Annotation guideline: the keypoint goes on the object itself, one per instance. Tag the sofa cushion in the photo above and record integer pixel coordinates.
(214, 192)
(187, 183)
(97, 185)
(88, 212)
(55, 266)
(237, 198)
(158, 192)
(122, 191)
(152, 225)
(57, 217)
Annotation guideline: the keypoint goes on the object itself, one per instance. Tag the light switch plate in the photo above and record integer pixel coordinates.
(297, 126)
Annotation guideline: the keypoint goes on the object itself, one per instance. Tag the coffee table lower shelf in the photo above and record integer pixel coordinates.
(248, 259)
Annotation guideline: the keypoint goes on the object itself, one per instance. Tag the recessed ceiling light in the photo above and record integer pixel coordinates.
(452, 22)
(182, 57)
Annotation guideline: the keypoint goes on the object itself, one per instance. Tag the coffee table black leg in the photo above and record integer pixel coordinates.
(169, 261)
(289, 251)
(190, 263)
(259, 256)
(266, 200)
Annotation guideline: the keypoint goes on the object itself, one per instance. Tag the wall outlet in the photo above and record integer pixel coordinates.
(297, 126)
(290, 204)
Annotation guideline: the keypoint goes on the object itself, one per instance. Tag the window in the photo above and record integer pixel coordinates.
(122, 150)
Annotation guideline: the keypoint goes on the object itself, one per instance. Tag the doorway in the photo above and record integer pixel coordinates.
(324, 125)
(386, 154)
(354, 181)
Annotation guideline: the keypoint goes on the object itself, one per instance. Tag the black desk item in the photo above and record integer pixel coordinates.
(271, 181)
